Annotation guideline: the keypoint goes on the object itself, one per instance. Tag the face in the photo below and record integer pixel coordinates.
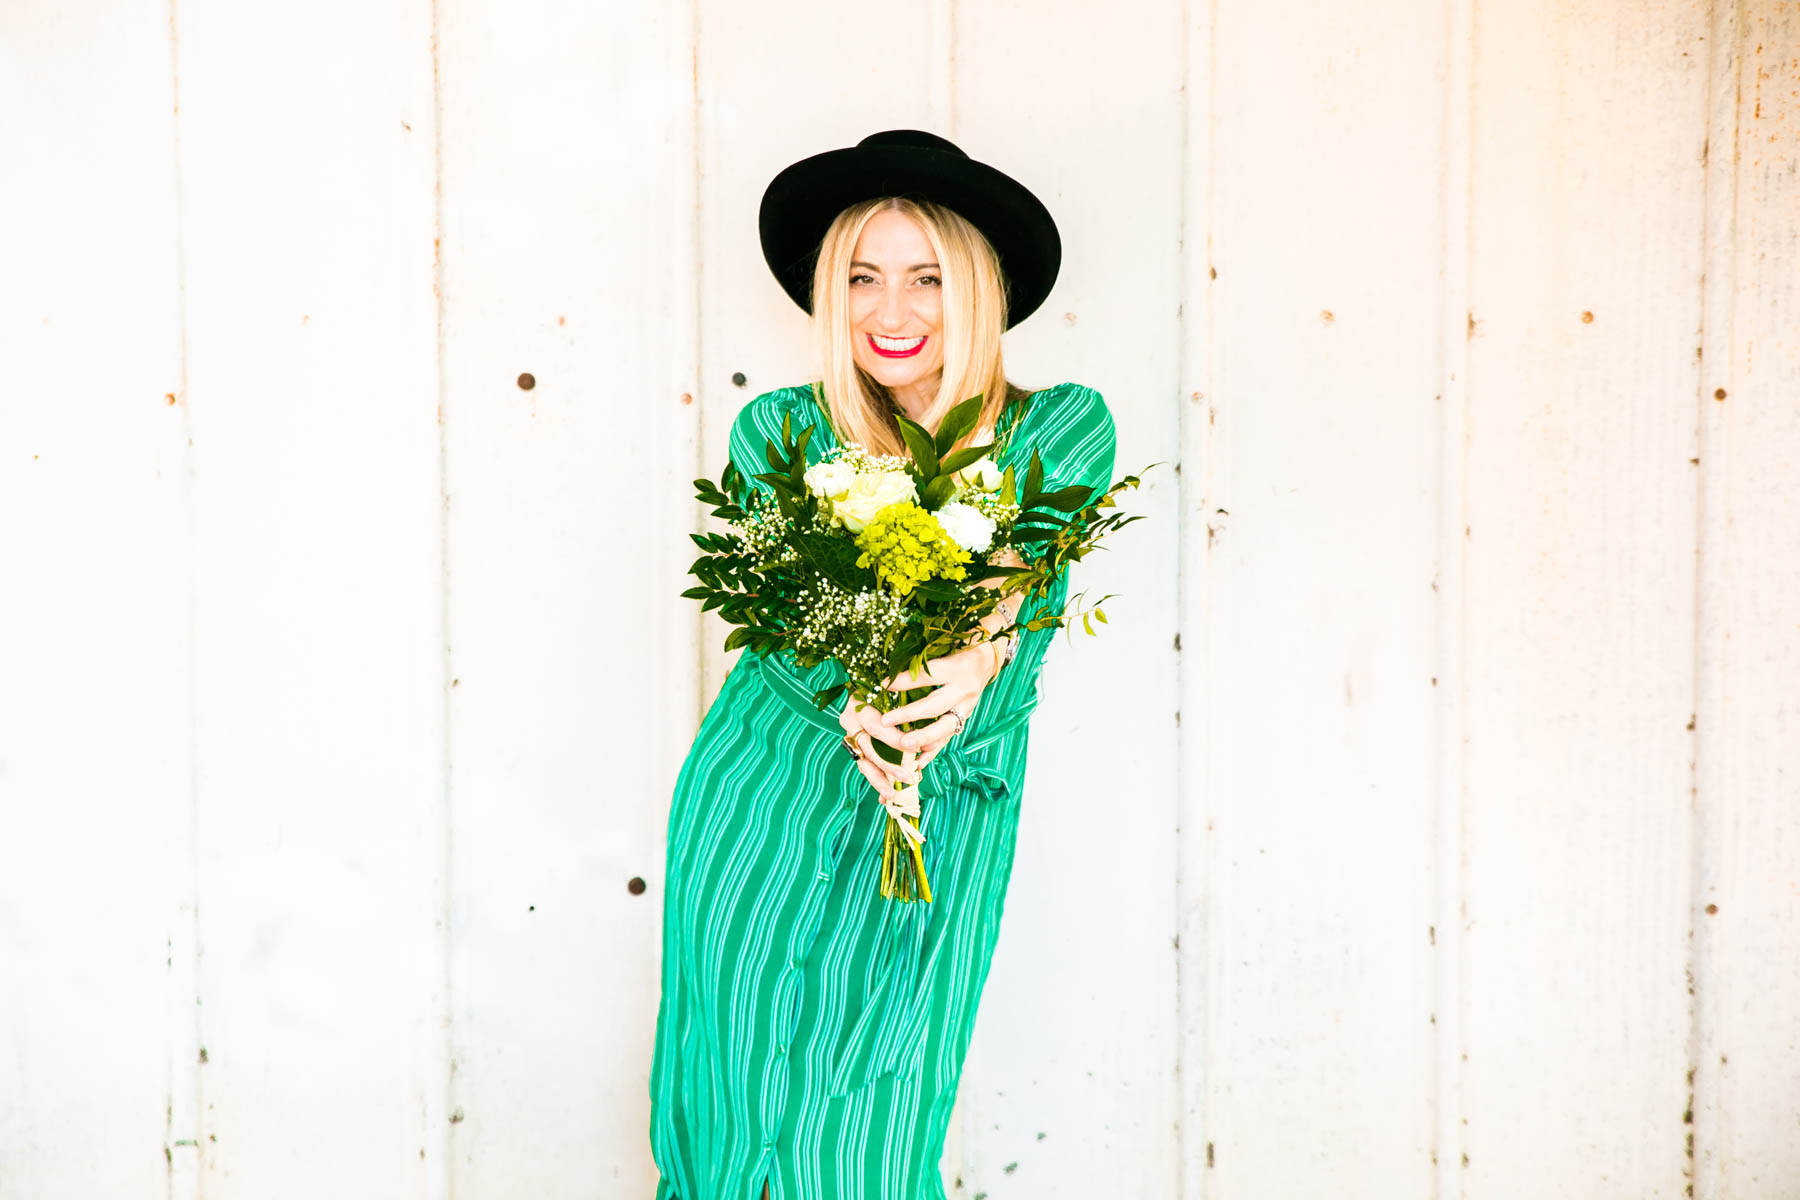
(896, 309)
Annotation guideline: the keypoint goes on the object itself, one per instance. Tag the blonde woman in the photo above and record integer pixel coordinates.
(811, 1033)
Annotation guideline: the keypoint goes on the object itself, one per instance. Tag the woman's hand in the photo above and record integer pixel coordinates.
(960, 677)
(957, 679)
(862, 725)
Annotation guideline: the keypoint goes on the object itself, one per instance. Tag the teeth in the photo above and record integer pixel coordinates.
(888, 343)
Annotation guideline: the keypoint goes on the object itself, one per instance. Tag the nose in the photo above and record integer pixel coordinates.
(894, 310)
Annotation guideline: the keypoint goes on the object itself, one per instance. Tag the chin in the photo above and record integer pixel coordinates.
(891, 374)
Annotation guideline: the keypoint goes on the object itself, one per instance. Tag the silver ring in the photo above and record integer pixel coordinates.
(959, 722)
(852, 747)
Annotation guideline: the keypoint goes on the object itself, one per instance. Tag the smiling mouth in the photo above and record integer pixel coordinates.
(896, 347)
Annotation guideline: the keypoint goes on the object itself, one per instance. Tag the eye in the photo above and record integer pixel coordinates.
(860, 276)
(934, 280)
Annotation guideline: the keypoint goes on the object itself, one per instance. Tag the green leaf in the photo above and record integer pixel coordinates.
(773, 453)
(1069, 499)
(823, 699)
(697, 593)
(956, 461)
(937, 493)
(797, 471)
(937, 589)
(736, 638)
(956, 423)
(1008, 493)
(920, 446)
(1034, 481)
(835, 558)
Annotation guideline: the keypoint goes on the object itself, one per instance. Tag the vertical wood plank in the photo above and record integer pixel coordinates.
(307, 168)
(1578, 611)
(1747, 794)
(1070, 1088)
(96, 955)
(1311, 809)
(568, 224)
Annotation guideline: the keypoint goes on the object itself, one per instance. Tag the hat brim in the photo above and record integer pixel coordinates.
(803, 200)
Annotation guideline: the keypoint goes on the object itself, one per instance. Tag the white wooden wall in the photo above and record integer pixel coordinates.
(1425, 824)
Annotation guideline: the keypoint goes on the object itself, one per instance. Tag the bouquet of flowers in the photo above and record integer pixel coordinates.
(880, 561)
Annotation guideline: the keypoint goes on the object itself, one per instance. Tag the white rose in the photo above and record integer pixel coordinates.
(868, 494)
(829, 480)
(967, 526)
(984, 474)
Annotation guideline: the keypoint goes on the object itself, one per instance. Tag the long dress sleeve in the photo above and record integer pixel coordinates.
(1072, 432)
(759, 422)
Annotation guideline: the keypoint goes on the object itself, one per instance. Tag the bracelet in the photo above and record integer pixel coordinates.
(1012, 641)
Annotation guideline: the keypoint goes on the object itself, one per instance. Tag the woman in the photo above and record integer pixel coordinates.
(811, 1033)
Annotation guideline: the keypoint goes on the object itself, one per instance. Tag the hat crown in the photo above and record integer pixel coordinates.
(917, 139)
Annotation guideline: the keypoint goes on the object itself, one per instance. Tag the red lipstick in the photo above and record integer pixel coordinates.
(894, 353)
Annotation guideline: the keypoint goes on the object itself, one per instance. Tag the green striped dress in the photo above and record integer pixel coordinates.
(810, 1033)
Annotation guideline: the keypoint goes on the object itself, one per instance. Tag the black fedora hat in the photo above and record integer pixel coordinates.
(802, 201)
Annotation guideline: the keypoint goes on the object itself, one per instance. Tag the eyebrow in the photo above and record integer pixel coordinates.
(915, 267)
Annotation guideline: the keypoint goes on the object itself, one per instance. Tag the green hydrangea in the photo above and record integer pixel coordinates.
(906, 546)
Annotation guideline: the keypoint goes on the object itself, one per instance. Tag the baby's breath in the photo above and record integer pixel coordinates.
(991, 506)
(765, 530)
(862, 460)
(854, 627)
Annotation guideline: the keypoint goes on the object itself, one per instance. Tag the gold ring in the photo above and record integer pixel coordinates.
(852, 747)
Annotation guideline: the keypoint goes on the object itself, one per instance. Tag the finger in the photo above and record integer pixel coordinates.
(856, 716)
(890, 768)
(867, 719)
(932, 736)
(880, 771)
(887, 790)
(935, 704)
(876, 779)
(893, 775)
(897, 800)
(901, 772)
(931, 676)
(877, 728)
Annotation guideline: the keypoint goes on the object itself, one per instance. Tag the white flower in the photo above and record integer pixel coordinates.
(830, 480)
(984, 474)
(968, 527)
(868, 494)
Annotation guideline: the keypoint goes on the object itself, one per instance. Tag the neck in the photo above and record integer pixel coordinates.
(915, 399)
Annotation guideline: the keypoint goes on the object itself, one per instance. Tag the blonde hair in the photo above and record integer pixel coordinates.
(974, 316)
